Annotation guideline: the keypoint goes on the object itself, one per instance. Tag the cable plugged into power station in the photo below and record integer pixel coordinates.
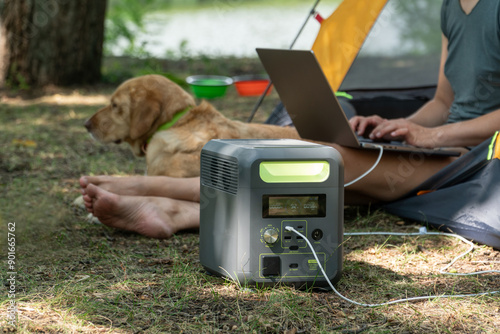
(422, 232)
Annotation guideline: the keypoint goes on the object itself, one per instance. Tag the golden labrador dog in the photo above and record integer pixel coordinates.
(158, 119)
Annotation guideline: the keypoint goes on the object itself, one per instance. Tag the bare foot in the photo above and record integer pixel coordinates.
(130, 185)
(154, 217)
(187, 189)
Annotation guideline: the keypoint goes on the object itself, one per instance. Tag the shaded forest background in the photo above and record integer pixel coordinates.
(62, 42)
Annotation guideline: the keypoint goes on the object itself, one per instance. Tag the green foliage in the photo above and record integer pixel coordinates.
(124, 20)
(425, 18)
(18, 81)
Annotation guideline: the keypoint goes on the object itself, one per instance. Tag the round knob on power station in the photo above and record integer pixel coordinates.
(270, 236)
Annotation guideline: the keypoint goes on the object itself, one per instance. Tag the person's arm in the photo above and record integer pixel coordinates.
(427, 128)
(436, 111)
(433, 113)
(466, 133)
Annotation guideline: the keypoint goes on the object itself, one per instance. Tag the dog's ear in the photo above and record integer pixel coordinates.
(143, 119)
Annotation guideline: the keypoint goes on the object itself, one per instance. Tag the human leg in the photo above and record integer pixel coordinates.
(156, 217)
(167, 205)
(395, 175)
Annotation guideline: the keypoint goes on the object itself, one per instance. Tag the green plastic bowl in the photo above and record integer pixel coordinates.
(209, 86)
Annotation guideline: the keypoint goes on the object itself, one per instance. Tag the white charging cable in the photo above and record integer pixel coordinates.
(371, 168)
(423, 231)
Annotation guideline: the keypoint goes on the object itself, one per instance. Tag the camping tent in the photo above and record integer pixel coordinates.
(341, 36)
(385, 53)
(462, 198)
(396, 83)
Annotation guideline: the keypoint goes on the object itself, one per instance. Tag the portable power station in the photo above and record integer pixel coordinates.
(251, 190)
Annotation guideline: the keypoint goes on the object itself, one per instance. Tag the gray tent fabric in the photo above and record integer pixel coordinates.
(463, 198)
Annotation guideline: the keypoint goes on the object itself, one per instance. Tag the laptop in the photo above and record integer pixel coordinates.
(313, 106)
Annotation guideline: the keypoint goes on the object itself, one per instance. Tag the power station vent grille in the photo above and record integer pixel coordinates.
(219, 173)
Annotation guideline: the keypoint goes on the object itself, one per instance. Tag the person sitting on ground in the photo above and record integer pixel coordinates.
(464, 112)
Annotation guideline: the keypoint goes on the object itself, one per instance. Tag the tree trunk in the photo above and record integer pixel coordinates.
(51, 41)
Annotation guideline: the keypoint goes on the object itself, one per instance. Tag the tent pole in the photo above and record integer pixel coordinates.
(263, 95)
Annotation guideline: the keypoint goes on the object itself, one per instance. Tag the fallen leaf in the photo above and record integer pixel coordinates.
(24, 142)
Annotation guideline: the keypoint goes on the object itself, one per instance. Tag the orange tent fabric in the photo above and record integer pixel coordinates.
(341, 36)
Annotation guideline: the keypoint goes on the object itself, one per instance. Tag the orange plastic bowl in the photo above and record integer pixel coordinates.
(251, 85)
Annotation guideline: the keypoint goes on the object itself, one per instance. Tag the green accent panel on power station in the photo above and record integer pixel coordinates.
(294, 171)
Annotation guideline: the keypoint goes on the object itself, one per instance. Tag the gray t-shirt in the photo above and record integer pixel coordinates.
(473, 64)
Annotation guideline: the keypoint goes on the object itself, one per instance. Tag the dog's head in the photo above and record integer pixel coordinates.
(137, 108)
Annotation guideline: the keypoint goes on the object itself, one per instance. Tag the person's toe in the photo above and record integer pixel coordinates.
(92, 191)
(84, 182)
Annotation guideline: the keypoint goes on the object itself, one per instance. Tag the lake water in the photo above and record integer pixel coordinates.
(230, 30)
(233, 28)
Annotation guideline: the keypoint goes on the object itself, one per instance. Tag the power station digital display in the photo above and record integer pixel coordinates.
(293, 206)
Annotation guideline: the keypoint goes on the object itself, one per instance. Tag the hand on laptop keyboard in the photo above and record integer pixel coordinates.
(363, 126)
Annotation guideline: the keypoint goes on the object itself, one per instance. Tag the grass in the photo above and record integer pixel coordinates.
(77, 277)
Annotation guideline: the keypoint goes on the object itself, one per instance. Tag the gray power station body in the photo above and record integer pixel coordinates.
(250, 191)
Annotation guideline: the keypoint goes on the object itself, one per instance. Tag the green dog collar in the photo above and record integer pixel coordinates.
(170, 123)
